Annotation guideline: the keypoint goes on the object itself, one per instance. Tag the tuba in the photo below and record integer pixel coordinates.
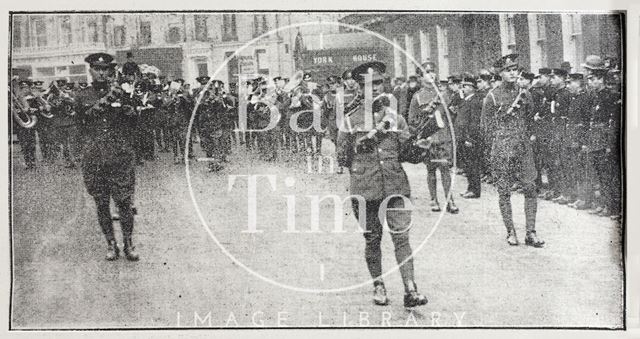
(22, 112)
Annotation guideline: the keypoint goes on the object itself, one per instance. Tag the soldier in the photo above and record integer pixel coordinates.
(212, 116)
(604, 142)
(541, 94)
(178, 105)
(26, 134)
(577, 161)
(63, 123)
(512, 155)
(483, 83)
(46, 137)
(377, 183)
(471, 136)
(108, 162)
(560, 102)
(145, 106)
(441, 149)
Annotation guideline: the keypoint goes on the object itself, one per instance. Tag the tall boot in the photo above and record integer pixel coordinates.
(530, 210)
(411, 297)
(504, 201)
(130, 250)
(113, 252)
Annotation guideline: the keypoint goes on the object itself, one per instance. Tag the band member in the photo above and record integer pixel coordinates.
(378, 180)
(211, 116)
(470, 136)
(108, 163)
(441, 149)
(179, 106)
(24, 120)
(512, 155)
(144, 105)
(63, 123)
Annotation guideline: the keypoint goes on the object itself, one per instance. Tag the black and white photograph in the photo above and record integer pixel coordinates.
(338, 169)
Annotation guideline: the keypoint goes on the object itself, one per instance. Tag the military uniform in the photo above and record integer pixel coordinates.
(26, 136)
(108, 156)
(603, 144)
(577, 171)
(512, 154)
(377, 175)
(470, 137)
(63, 125)
(212, 120)
(560, 103)
(441, 149)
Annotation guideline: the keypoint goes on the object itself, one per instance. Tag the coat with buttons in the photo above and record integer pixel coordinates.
(378, 174)
(106, 131)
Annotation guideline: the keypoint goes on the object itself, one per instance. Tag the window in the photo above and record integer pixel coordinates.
(286, 48)
(17, 32)
(145, 33)
(174, 35)
(511, 31)
(541, 27)
(46, 71)
(66, 37)
(229, 29)
(203, 69)
(41, 31)
(259, 24)
(119, 36)
(201, 28)
(575, 29)
(92, 27)
(77, 69)
(261, 61)
(576, 24)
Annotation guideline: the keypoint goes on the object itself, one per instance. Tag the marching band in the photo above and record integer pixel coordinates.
(554, 135)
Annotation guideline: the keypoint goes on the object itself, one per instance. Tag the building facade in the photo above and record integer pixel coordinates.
(460, 42)
(187, 45)
(181, 45)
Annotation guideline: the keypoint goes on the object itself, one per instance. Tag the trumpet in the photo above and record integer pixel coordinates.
(22, 112)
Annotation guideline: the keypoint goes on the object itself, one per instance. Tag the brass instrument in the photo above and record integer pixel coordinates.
(22, 112)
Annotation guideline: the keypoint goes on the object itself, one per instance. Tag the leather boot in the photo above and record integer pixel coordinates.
(113, 252)
(380, 294)
(411, 297)
(452, 208)
(435, 206)
(533, 240)
(130, 250)
(512, 238)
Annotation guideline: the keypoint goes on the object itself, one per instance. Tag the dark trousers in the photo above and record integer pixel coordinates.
(399, 223)
(473, 167)
(608, 173)
(27, 140)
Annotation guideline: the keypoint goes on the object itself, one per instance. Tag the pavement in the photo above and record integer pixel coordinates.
(463, 264)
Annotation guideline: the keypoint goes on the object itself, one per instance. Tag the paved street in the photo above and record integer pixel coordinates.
(466, 269)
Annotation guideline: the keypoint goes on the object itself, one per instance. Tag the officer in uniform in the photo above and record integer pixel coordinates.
(44, 126)
(178, 105)
(512, 154)
(471, 136)
(108, 164)
(379, 180)
(441, 149)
